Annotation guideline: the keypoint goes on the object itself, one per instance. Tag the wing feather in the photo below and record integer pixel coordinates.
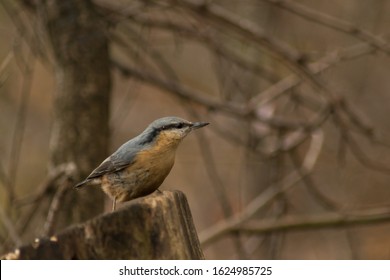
(112, 164)
(122, 158)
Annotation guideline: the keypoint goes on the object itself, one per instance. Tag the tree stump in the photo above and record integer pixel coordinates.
(158, 226)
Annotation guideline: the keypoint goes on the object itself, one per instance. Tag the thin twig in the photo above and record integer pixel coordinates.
(155, 56)
(51, 219)
(312, 187)
(6, 61)
(232, 108)
(221, 228)
(292, 81)
(54, 180)
(17, 139)
(364, 159)
(25, 30)
(318, 221)
(334, 23)
(243, 28)
(9, 226)
(206, 37)
(63, 185)
(218, 186)
(49, 185)
(354, 147)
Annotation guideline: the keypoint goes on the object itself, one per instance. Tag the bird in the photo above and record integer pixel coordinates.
(139, 166)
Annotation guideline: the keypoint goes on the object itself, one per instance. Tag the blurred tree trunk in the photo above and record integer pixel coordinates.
(80, 131)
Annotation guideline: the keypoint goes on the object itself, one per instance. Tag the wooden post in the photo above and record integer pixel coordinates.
(158, 226)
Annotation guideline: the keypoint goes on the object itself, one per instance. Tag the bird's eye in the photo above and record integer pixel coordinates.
(180, 125)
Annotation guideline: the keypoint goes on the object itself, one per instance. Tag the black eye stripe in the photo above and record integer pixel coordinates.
(156, 131)
(174, 125)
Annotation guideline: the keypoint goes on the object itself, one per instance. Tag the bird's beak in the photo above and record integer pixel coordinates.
(197, 125)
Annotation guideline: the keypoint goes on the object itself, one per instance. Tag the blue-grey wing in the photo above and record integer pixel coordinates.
(122, 158)
(114, 163)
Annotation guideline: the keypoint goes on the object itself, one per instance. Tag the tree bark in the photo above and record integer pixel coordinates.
(158, 226)
(80, 131)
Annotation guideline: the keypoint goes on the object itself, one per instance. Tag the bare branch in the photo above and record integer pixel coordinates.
(50, 223)
(54, 184)
(4, 64)
(352, 144)
(17, 138)
(288, 56)
(219, 229)
(318, 221)
(364, 159)
(9, 226)
(180, 90)
(145, 48)
(207, 37)
(326, 202)
(3, 177)
(292, 81)
(333, 22)
(25, 29)
(211, 104)
(217, 183)
(49, 185)
(63, 184)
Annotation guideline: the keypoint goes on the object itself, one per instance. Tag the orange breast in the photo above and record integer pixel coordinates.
(145, 175)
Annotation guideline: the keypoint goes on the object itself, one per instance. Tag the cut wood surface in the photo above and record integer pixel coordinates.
(158, 226)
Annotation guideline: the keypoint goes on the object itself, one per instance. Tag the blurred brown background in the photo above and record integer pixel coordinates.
(296, 93)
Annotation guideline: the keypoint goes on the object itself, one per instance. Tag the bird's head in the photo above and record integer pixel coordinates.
(170, 129)
(175, 128)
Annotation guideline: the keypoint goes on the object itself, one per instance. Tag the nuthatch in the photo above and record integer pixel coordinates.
(139, 166)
